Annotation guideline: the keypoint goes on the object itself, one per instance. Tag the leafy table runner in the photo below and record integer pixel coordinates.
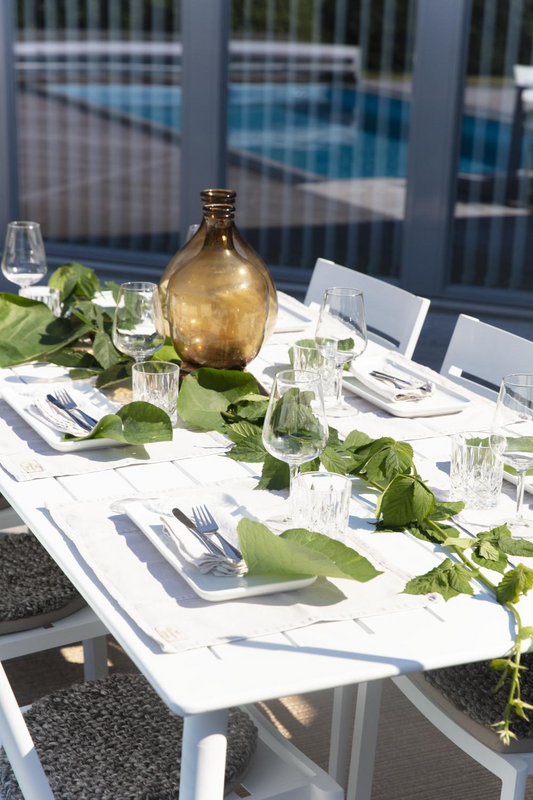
(26, 456)
(164, 606)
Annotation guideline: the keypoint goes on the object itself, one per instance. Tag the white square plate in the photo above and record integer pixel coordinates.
(91, 400)
(207, 586)
(444, 399)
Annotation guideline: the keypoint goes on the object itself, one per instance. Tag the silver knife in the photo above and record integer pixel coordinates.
(211, 546)
(83, 425)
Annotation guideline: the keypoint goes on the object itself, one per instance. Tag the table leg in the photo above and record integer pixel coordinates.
(19, 746)
(203, 756)
(341, 722)
(95, 658)
(365, 733)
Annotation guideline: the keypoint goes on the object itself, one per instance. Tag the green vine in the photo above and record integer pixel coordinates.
(405, 504)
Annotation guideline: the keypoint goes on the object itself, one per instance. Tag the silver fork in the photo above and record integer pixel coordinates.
(66, 400)
(205, 522)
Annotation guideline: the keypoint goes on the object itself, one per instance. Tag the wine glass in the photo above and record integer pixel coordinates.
(24, 258)
(341, 336)
(511, 439)
(134, 330)
(295, 428)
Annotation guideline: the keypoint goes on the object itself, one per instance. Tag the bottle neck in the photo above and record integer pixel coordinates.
(219, 233)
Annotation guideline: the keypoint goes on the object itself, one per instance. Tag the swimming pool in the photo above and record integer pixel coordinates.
(323, 130)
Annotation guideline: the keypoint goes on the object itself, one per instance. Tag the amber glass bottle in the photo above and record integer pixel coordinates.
(193, 247)
(218, 302)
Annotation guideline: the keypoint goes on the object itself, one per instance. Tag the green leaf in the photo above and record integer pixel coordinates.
(167, 353)
(75, 279)
(488, 551)
(205, 394)
(428, 533)
(67, 357)
(299, 552)
(332, 461)
(448, 579)
(514, 583)
(115, 374)
(498, 565)
(105, 351)
(275, 474)
(445, 510)
(501, 537)
(29, 330)
(406, 499)
(356, 439)
(526, 632)
(134, 423)
(114, 288)
(240, 431)
(463, 544)
(251, 450)
(310, 466)
(252, 411)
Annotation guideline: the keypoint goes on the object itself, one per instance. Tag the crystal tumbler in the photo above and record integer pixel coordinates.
(320, 502)
(475, 471)
(157, 382)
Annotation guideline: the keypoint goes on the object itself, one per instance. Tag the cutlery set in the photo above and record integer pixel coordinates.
(65, 404)
(206, 525)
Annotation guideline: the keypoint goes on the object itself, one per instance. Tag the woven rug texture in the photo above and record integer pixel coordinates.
(414, 761)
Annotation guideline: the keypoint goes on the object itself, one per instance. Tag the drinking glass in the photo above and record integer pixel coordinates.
(24, 259)
(341, 336)
(307, 357)
(295, 428)
(44, 294)
(321, 502)
(157, 382)
(511, 439)
(134, 330)
(476, 473)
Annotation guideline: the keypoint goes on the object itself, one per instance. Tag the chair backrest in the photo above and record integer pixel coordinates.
(479, 355)
(394, 317)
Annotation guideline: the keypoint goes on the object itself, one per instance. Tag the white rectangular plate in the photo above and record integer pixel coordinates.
(207, 586)
(291, 318)
(91, 400)
(444, 399)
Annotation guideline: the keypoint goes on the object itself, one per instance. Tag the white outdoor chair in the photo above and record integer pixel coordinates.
(394, 317)
(479, 355)
(511, 764)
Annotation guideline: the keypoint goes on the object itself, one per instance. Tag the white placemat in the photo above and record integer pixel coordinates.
(26, 456)
(161, 603)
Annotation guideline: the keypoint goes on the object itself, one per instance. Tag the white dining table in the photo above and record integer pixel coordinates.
(201, 684)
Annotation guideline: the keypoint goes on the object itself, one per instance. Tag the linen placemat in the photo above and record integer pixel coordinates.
(164, 606)
(26, 456)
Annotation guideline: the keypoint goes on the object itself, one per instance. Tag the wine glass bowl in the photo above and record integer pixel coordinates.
(295, 428)
(24, 257)
(341, 335)
(134, 328)
(511, 439)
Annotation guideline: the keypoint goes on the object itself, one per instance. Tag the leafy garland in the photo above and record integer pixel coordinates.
(80, 339)
(231, 403)
(30, 332)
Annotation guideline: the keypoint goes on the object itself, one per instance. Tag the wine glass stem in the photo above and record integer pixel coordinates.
(520, 493)
(293, 469)
(338, 383)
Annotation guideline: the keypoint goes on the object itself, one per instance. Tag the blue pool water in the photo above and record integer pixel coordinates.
(320, 129)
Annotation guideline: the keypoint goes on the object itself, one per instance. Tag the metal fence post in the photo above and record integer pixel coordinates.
(441, 47)
(205, 43)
